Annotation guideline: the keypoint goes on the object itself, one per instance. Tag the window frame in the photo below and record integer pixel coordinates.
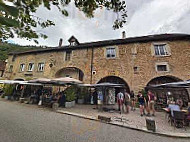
(69, 52)
(41, 63)
(32, 67)
(160, 53)
(11, 68)
(164, 64)
(115, 52)
(23, 68)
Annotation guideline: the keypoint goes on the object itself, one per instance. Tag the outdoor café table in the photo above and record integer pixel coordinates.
(167, 112)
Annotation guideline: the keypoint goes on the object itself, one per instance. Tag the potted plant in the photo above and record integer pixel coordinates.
(8, 91)
(70, 96)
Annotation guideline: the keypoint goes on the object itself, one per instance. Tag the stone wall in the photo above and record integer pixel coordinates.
(139, 55)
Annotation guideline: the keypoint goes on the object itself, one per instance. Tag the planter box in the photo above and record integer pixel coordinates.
(80, 101)
(69, 104)
(6, 97)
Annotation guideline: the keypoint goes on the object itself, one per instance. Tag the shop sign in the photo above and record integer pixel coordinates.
(113, 72)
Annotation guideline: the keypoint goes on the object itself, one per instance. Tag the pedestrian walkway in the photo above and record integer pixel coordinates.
(132, 119)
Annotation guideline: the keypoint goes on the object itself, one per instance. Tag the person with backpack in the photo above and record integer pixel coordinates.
(132, 98)
(151, 102)
(127, 101)
(141, 101)
(120, 100)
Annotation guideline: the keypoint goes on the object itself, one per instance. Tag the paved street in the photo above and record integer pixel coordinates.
(21, 123)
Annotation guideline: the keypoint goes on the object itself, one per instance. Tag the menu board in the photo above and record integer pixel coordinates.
(111, 96)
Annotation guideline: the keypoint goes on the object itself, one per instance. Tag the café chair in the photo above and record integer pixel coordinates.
(178, 119)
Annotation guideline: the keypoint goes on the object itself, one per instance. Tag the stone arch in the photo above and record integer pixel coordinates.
(162, 80)
(116, 80)
(73, 72)
(164, 93)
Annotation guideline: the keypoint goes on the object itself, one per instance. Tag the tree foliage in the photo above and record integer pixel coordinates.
(20, 18)
(6, 48)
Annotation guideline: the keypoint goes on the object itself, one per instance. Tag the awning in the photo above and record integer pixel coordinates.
(181, 84)
(66, 81)
(18, 82)
(106, 84)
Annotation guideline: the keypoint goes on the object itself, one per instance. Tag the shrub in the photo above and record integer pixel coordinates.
(70, 93)
(8, 90)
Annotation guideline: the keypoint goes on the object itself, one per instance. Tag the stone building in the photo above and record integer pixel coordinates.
(2, 68)
(135, 62)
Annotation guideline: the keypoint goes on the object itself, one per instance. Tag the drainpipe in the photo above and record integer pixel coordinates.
(91, 66)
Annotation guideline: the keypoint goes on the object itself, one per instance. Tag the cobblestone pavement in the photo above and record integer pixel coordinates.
(133, 118)
(28, 123)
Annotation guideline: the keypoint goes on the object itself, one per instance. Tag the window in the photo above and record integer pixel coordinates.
(162, 67)
(136, 69)
(110, 52)
(22, 66)
(30, 66)
(11, 68)
(160, 50)
(41, 67)
(68, 56)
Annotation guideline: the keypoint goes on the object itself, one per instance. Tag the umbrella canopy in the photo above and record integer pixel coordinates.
(11, 82)
(66, 80)
(105, 84)
(17, 82)
(41, 80)
(181, 84)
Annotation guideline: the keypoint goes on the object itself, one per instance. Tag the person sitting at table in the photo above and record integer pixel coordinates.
(174, 107)
(180, 103)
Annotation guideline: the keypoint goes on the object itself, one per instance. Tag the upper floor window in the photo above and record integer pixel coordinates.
(162, 67)
(11, 68)
(30, 66)
(68, 56)
(111, 52)
(41, 67)
(160, 50)
(22, 66)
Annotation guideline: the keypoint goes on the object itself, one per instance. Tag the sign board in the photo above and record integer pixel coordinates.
(151, 125)
(113, 72)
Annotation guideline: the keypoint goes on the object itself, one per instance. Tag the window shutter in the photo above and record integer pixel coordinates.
(152, 49)
(168, 50)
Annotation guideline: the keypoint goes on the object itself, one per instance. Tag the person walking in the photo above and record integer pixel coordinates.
(120, 100)
(141, 101)
(146, 104)
(126, 101)
(132, 98)
(151, 102)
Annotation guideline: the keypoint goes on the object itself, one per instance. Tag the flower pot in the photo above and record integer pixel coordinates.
(69, 104)
(73, 103)
(80, 101)
(6, 97)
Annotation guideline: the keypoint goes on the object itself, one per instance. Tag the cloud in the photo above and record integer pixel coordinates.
(144, 17)
(163, 16)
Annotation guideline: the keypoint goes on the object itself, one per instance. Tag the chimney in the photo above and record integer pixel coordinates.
(123, 35)
(60, 42)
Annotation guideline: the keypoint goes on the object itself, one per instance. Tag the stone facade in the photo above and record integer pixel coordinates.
(135, 62)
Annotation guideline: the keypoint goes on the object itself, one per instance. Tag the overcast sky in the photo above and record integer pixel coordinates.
(145, 17)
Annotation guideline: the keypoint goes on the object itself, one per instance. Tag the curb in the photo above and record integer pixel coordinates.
(174, 135)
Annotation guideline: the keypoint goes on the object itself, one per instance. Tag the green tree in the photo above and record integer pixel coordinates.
(20, 19)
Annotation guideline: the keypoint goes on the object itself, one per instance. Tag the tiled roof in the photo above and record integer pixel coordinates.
(142, 39)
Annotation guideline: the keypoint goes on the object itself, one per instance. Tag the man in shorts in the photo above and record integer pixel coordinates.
(151, 102)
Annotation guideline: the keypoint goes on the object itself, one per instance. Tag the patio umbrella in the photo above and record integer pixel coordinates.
(41, 80)
(11, 82)
(66, 80)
